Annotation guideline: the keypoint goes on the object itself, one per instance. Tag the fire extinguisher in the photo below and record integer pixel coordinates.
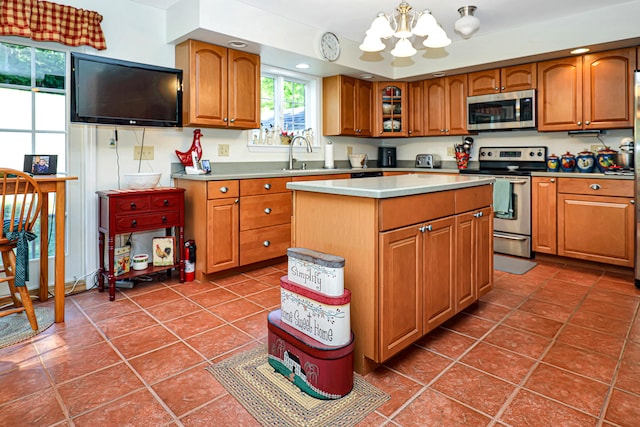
(189, 260)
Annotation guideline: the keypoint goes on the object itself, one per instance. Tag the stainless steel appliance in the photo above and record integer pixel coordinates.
(512, 233)
(428, 161)
(387, 157)
(636, 135)
(508, 110)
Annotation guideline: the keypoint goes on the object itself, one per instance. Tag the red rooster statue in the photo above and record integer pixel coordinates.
(186, 157)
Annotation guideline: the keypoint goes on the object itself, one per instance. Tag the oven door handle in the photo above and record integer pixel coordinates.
(519, 182)
(504, 236)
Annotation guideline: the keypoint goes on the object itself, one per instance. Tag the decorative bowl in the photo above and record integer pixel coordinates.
(140, 262)
(357, 160)
(141, 180)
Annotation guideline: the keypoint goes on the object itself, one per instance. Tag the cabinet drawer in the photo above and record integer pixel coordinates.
(264, 211)
(166, 201)
(222, 189)
(596, 187)
(132, 204)
(468, 199)
(254, 187)
(264, 243)
(125, 223)
(403, 211)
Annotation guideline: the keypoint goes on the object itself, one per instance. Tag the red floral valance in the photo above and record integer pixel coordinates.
(46, 21)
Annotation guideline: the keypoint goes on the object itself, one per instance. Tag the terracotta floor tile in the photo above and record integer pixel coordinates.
(97, 388)
(80, 361)
(474, 388)
(218, 341)
(260, 272)
(125, 324)
(254, 325)
(469, 325)
(500, 297)
(565, 287)
(173, 309)
(226, 411)
(622, 301)
(272, 279)
(487, 310)
(507, 365)
(580, 275)
(561, 385)
(399, 388)
(188, 390)
(90, 298)
(553, 296)
(514, 287)
(111, 309)
(38, 409)
(137, 409)
(623, 407)
(632, 353)
(68, 339)
(214, 297)
(591, 340)
(634, 331)
(600, 323)
(629, 377)
(624, 288)
(446, 342)
(23, 381)
(609, 309)
(518, 341)
(528, 409)
(194, 323)
(144, 340)
(165, 362)
(159, 296)
(434, 409)
(192, 288)
(418, 364)
(236, 309)
(268, 299)
(19, 355)
(248, 287)
(533, 323)
(580, 361)
(142, 287)
(550, 311)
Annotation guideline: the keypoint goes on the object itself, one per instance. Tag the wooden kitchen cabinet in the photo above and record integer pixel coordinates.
(446, 111)
(346, 106)
(221, 86)
(593, 91)
(390, 109)
(544, 215)
(507, 79)
(416, 108)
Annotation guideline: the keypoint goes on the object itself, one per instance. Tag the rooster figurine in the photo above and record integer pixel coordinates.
(186, 158)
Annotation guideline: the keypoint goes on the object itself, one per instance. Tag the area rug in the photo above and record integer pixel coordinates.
(512, 265)
(275, 401)
(15, 327)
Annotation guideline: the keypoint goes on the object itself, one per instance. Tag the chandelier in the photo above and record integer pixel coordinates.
(404, 22)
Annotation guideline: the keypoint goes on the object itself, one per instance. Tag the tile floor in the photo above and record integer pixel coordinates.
(559, 346)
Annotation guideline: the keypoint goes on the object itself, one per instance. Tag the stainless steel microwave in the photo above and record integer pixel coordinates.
(508, 110)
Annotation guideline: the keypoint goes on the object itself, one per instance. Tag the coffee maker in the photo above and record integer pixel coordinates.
(386, 157)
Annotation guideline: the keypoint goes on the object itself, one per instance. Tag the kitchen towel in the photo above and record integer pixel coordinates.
(502, 199)
(328, 156)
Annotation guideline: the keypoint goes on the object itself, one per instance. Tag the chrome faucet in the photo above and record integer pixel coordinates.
(293, 140)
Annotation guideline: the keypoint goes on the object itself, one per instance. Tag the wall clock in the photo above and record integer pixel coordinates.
(329, 46)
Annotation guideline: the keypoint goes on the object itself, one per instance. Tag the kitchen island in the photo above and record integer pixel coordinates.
(418, 249)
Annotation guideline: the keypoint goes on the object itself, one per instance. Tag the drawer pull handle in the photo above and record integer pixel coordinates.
(478, 215)
(164, 220)
(267, 211)
(266, 243)
(267, 186)
(134, 223)
(594, 186)
(224, 189)
(166, 202)
(132, 205)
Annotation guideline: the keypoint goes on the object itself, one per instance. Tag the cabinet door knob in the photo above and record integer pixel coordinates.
(132, 205)
(236, 200)
(552, 180)
(134, 223)
(165, 202)
(422, 229)
(497, 89)
(266, 243)
(579, 123)
(225, 120)
(502, 88)
(633, 202)
(267, 186)
(164, 220)
(587, 122)
(232, 120)
(594, 186)
(267, 211)
(428, 227)
(224, 189)
(478, 214)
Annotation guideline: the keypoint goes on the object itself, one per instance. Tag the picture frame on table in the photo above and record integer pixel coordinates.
(41, 164)
(164, 249)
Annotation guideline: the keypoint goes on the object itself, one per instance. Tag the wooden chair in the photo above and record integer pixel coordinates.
(21, 204)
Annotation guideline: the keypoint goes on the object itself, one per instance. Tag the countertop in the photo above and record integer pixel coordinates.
(390, 186)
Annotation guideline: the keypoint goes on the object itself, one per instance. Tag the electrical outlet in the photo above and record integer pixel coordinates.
(223, 150)
(451, 152)
(143, 152)
(595, 148)
(349, 150)
(112, 143)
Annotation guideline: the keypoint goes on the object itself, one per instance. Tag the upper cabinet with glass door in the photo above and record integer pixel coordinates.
(390, 109)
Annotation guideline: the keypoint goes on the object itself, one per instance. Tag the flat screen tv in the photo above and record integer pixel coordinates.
(115, 92)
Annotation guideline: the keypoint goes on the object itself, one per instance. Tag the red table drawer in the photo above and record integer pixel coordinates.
(146, 221)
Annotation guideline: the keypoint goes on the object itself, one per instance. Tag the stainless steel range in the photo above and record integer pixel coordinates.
(512, 166)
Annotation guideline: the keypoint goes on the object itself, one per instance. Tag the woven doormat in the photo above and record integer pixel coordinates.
(512, 265)
(274, 401)
(15, 327)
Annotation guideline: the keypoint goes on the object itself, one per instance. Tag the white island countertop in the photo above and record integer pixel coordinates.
(390, 186)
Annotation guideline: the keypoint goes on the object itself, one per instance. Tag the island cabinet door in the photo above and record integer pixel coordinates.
(438, 272)
(222, 234)
(400, 289)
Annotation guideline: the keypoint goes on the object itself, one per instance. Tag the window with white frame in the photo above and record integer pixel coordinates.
(288, 107)
(32, 111)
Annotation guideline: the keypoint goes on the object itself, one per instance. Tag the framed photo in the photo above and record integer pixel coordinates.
(41, 164)
(164, 251)
(206, 166)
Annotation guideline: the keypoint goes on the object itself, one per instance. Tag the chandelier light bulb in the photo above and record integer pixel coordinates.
(437, 39)
(467, 24)
(381, 27)
(425, 24)
(403, 49)
(372, 43)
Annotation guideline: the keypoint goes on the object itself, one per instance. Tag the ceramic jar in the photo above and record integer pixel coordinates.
(553, 163)
(606, 158)
(585, 161)
(568, 162)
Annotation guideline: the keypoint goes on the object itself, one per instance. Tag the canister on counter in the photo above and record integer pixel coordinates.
(553, 163)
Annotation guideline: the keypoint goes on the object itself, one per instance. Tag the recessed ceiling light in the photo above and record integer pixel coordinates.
(366, 76)
(303, 66)
(580, 50)
(237, 43)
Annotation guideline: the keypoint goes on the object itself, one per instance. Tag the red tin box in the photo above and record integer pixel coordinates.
(321, 371)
